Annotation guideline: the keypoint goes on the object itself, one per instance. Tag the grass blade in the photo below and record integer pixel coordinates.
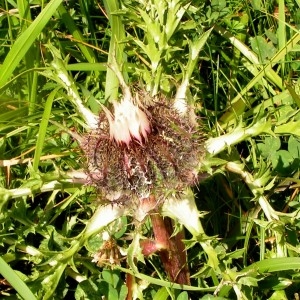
(43, 129)
(24, 41)
(10, 275)
(276, 264)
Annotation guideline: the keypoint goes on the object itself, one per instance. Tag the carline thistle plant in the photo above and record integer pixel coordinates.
(143, 146)
(144, 151)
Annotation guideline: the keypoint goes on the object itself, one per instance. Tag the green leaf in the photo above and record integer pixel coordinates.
(282, 161)
(275, 283)
(25, 40)
(183, 296)
(116, 49)
(294, 147)
(278, 295)
(76, 33)
(288, 128)
(87, 290)
(92, 289)
(269, 147)
(265, 50)
(213, 297)
(111, 276)
(43, 129)
(161, 294)
(275, 265)
(9, 274)
(248, 281)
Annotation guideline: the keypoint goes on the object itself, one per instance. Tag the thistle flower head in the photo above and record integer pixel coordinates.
(140, 150)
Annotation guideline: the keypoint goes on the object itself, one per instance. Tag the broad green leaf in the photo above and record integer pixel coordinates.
(265, 50)
(183, 296)
(269, 147)
(111, 276)
(248, 281)
(88, 290)
(294, 147)
(161, 294)
(279, 295)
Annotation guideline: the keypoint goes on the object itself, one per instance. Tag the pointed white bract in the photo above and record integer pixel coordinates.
(127, 123)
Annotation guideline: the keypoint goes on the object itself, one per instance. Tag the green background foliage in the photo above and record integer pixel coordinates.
(236, 63)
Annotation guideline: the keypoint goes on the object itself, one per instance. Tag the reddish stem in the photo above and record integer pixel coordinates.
(129, 283)
(171, 249)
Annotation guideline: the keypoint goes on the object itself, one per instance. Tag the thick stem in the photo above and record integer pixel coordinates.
(171, 249)
(129, 283)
